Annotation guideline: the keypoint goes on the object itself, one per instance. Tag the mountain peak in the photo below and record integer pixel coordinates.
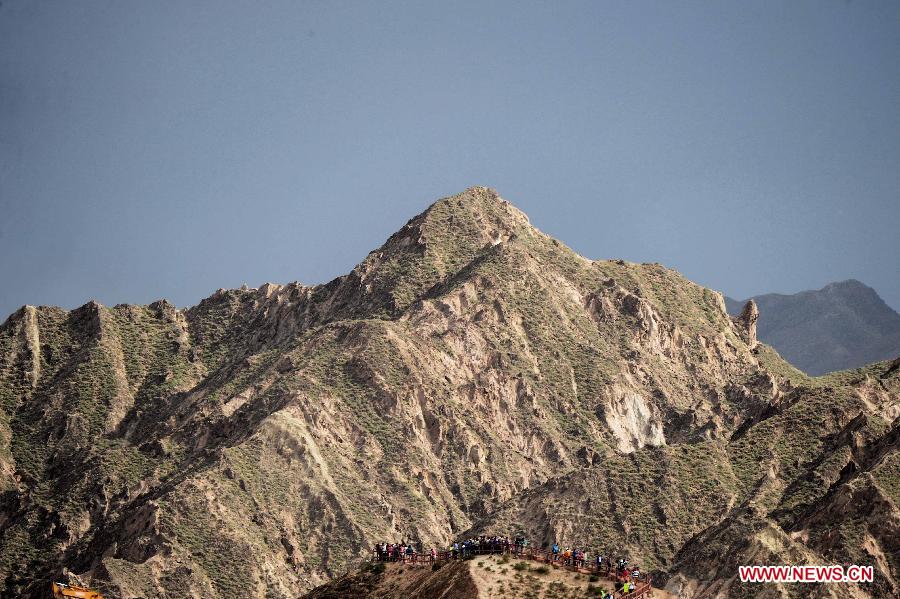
(437, 243)
(849, 286)
(848, 283)
(475, 210)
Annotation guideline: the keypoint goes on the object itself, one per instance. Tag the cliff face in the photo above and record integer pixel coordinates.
(472, 373)
(843, 325)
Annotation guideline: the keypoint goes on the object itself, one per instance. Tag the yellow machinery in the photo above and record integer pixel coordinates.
(67, 591)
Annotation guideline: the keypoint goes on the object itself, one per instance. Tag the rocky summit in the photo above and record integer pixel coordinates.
(470, 376)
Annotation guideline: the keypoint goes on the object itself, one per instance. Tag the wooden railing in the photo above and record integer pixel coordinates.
(642, 588)
(643, 583)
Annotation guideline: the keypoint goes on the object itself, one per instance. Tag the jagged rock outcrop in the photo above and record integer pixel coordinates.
(472, 373)
(746, 322)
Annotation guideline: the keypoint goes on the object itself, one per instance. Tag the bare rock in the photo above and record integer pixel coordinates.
(746, 323)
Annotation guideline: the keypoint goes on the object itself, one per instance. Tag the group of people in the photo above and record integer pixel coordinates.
(397, 552)
(487, 545)
(571, 556)
(578, 558)
(627, 587)
(403, 551)
(574, 557)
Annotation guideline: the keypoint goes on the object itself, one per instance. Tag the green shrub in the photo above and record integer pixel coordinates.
(520, 566)
(541, 570)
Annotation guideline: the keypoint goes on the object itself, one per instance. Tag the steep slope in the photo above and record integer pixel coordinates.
(833, 501)
(260, 442)
(811, 480)
(843, 325)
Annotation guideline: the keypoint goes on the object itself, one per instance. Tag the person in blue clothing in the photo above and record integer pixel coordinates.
(555, 551)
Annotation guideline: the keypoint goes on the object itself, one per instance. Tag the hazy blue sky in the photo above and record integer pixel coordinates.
(165, 149)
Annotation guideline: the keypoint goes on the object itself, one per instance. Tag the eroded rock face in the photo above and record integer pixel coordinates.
(471, 372)
(747, 322)
(633, 421)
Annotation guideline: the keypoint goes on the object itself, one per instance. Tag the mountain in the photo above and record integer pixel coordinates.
(843, 325)
(472, 374)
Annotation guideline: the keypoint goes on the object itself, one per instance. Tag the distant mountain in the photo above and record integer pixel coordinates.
(843, 325)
